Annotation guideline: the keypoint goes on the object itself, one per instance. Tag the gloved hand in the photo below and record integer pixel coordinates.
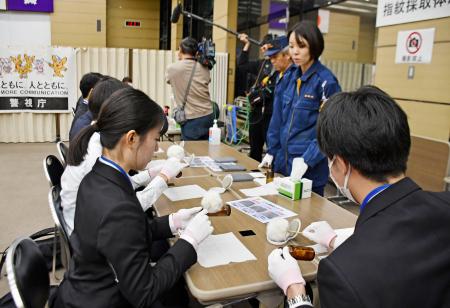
(182, 217)
(267, 161)
(155, 170)
(284, 269)
(172, 167)
(197, 229)
(320, 232)
(299, 168)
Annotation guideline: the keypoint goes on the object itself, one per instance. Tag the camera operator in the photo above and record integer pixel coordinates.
(261, 94)
(190, 86)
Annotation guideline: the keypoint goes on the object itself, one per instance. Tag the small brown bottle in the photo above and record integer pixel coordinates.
(269, 175)
(224, 211)
(302, 253)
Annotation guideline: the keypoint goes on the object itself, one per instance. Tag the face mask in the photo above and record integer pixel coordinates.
(279, 230)
(344, 190)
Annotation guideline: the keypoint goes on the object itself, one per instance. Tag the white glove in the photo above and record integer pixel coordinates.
(182, 217)
(172, 167)
(299, 168)
(197, 229)
(320, 232)
(284, 269)
(267, 161)
(155, 170)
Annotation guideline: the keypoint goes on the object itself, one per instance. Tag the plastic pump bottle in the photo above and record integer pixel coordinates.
(214, 134)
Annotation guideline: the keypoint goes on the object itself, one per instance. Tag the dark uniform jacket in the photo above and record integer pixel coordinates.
(111, 241)
(398, 256)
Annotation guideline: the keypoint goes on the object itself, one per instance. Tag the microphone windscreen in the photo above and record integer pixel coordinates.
(176, 13)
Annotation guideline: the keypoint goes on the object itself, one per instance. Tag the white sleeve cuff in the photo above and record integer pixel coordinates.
(172, 225)
(152, 192)
(140, 179)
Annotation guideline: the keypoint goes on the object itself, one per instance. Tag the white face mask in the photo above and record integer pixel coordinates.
(279, 230)
(344, 190)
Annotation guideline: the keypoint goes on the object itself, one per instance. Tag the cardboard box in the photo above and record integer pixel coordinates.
(295, 190)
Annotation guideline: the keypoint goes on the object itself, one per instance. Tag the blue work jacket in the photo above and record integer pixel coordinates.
(292, 130)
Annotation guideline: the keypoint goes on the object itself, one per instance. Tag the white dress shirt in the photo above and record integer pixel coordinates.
(72, 176)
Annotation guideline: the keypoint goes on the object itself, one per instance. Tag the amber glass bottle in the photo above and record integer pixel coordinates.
(224, 211)
(302, 253)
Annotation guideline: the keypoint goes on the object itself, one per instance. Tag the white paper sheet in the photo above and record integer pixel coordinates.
(260, 181)
(184, 192)
(222, 249)
(263, 190)
(257, 174)
(261, 209)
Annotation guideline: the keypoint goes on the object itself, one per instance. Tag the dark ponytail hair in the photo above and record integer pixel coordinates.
(126, 109)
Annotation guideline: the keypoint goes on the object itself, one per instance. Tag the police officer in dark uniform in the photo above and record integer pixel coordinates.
(261, 94)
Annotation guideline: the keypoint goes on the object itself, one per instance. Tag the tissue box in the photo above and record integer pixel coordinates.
(295, 190)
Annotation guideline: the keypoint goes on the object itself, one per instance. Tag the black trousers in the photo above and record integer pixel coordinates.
(259, 123)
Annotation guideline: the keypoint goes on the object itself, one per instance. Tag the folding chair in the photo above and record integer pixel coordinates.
(27, 274)
(53, 170)
(54, 201)
(62, 151)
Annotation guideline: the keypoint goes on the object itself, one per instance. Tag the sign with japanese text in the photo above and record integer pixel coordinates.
(30, 5)
(37, 79)
(393, 12)
(414, 46)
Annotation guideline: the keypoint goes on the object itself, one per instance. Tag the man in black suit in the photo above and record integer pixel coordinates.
(87, 83)
(399, 254)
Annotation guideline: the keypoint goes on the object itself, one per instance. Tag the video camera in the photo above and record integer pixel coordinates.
(206, 53)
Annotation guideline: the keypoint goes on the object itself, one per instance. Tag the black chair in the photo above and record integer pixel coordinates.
(27, 274)
(54, 201)
(62, 151)
(53, 170)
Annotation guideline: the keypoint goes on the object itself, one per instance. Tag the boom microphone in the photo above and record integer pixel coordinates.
(178, 10)
(176, 13)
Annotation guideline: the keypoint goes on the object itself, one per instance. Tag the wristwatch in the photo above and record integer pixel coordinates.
(299, 300)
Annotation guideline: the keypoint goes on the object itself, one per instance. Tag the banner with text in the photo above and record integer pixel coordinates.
(393, 12)
(37, 79)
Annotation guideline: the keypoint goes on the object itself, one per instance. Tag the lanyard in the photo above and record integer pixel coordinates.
(372, 194)
(115, 166)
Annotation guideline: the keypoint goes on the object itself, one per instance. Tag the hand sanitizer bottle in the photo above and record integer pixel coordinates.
(214, 134)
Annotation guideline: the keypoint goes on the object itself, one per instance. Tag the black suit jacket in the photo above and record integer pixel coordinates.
(399, 255)
(111, 241)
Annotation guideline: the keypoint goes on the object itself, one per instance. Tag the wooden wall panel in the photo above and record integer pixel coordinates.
(74, 23)
(343, 31)
(366, 40)
(431, 81)
(426, 97)
(388, 35)
(146, 11)
(425, 119)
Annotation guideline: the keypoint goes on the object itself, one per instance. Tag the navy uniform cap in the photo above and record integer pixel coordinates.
(278, 44)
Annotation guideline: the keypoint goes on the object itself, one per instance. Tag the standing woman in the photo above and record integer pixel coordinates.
(310, 86)
(112, 237)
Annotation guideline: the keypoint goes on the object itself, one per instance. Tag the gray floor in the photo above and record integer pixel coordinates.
(23, 195)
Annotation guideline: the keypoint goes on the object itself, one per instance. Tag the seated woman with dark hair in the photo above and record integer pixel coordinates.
(111, 264)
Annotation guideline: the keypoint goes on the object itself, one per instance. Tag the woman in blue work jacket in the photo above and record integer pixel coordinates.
(292, 129)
